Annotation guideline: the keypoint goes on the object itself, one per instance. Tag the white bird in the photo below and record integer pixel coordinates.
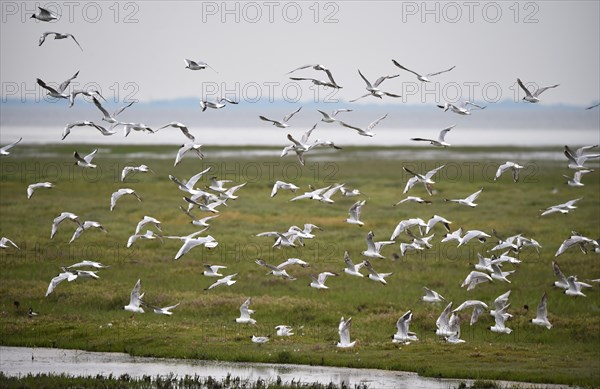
(314, 194)
(58, 92)
(576, 180)
(86, 263)
(404, 225)
(498, 274)
(373, 248)
(120, 193)
(165, 310)
(421, 77)
(188, 186)
(260, 339)
(440, 142)
(414, 199)
(149, 234)
(64, 275)
(32, 187)
(4, 243)
(207, 207)
(349, 193)
(435, 219)
(283, 185)
(217, 104)
(190, 241)
(108, 117)
(500, 318)
(541, 318)
(454, 323)
(373, 88)
(475, 278)
(367, 131)
(4, 150)
(405, 247)
(403, 335)
(562, 208)
(431, 296)
(354, 213)
(483, 264)
(147, 220)
(444, 328)
(344, 332)
(85, 123)
(473, 234)
(330, 118)
(86, 161)
(180, 126)
(199, 222)
(514, 167)
(44, 15)
(469, 200)
(460, 108)
(62, 217)
(213, 270)
(245, 313)
(424, 178)
(227, 281)
(478, 308)
(573, 240)
(499, 303)
(421, 241)
(283, 330)
(89, 93)
(577, 159)
(532, 97)
(331, 83)
(127, 170)
(455, 235)
(574, 288)
(58, 35)
(197, 65)
(319, 282)
(86, 226)
(277, 271)
(282, 123)
(375, 276)
(302, 146)
(351, 268)
(135, 299)
(128, 127)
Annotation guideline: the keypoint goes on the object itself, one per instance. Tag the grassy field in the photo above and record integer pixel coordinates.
(87, 314)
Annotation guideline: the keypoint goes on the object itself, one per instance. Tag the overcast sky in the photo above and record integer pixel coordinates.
(136, 49)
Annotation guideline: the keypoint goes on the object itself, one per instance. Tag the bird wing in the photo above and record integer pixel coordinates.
(382, 79)
(542, 312)
(443, 133)
(289, 116)
(376, 122)
(71, 35)
(66, 83)
(543, 89)
(474, 196)
(306, 135)
(523, 87)
(369, 86)
(49, 88)
(408, 70)
(440, 72)
(135, 298)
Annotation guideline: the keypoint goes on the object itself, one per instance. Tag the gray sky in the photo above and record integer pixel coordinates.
(136, 49)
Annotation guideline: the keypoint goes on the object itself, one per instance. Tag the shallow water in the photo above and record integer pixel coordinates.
(18, 361)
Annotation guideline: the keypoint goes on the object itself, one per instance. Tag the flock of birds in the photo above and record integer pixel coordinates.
(218, 192)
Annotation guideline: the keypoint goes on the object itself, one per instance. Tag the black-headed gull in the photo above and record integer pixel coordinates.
(562, 208)
(85, 161)
(227, 281)
(475, 278)
(115, 196)
(62, 217)
(108, 117)
(4, 243)
(354, 213)
(498, 274)
(180, 126)
(576, 180)
(203, 222)
(351, 268)
(283, 330)
(435, 219)
(193, 147)
(469, 200)
(281, 123)
(135, 299)
(331, 83)
(190, 241)
(431, 296)
(577, 158)
(374, 275)
(404, 225)
(197, 65)
(373, 248)
(64, 275)
(245, 313)
(87, 263)
(344, 332)
(576, 239)
(414, 199)
(373, 88)
(4, 150)
(33, 187)
(283, 185)
(84, 123)
(127, 170)
(213, 270)
(367, 131)
(319, 281)
(89, 93)
(403, 335)
(147, 220)
(419, 76)
(86, 225)
(149, 234)
(532, 97)
(500, 317)
(460, 108)
(444, 327)
(424, 178)
(574, 288)
(58, 92)
(44, 15)
(514, 167)
(440, 141)
(164, 310)
(277, 271)
(541, 318)
(478, 308)
(58, 35)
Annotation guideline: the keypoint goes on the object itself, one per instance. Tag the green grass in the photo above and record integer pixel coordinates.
(77, 314)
